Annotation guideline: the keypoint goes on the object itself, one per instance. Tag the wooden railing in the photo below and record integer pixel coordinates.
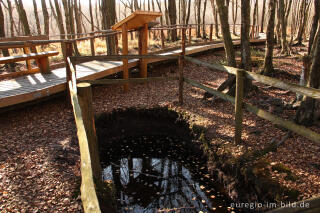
(239, 103)
(87, 140)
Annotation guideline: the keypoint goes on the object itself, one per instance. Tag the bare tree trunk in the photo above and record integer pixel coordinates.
(67, 17)
(36, 15)
(235, 15)
(198, 2)
(97, 15)
(45, 17)
(173, 19)
(12, 23)
(188, 13)
(303, 19)
(23, 17)
(215, 16)
(109, 20)
(284, 44)
(245, 43)
(315, 21)
(245, 39)
(166, 12)
(306, 112)
(262, 15)
(228, 45)
(204, 33)
(77, 17)
(225, 28)
(5, 52)
(254, 17)
(91, 15)
(268, 60)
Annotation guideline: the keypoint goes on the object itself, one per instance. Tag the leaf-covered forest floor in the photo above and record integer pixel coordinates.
(39, 154)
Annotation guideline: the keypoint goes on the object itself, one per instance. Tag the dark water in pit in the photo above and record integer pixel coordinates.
(160, 174)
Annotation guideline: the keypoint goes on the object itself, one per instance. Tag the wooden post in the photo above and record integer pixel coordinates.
(183, 41)
(28, 62)
(144, 51)
(92, 44)
(239, 106)
(125, 52)
(211, 31)
(117, 43)
(180, 80)
(68, 52)
(85, 102)
(162, 39)
(190, 30)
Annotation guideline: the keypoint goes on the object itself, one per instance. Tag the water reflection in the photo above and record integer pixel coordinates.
(154, 184)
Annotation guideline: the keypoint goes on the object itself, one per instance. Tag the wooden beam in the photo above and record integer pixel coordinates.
(238, 106)
(130, 80)
(81, 59)
(12, 59)
(125, 52)
(85, 102)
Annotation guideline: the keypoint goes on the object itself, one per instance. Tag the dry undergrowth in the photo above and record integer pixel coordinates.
(39, 156)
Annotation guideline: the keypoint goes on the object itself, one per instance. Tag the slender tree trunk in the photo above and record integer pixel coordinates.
(262, 15)
(245, 43)
(254, 17)
(204, 33)
(303, 19)
(173, 19)
(268, 60)
(23, 17)
(45, 17)
(77, 17)
(198, 18)
(36, 15)
(283, 23)
(166, 12)
(315, 21)
(12, 22)
(188, 13)
(215, 17)
(5, 52)
(91, 15)
(225, 28)
(235, 15)
(109, 20)
(67, 17)
(306, 112)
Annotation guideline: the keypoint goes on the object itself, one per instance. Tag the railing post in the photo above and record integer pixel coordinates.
(117, 43)
(162, 38)
(211, 32)
(92, 44)
(85, 102)
(67, 46)
(183, 40)
(190, 30)
(125, 52)
(239, 106)
(180, 80)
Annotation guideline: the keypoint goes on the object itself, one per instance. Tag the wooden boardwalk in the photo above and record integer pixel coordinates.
(35, 86)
